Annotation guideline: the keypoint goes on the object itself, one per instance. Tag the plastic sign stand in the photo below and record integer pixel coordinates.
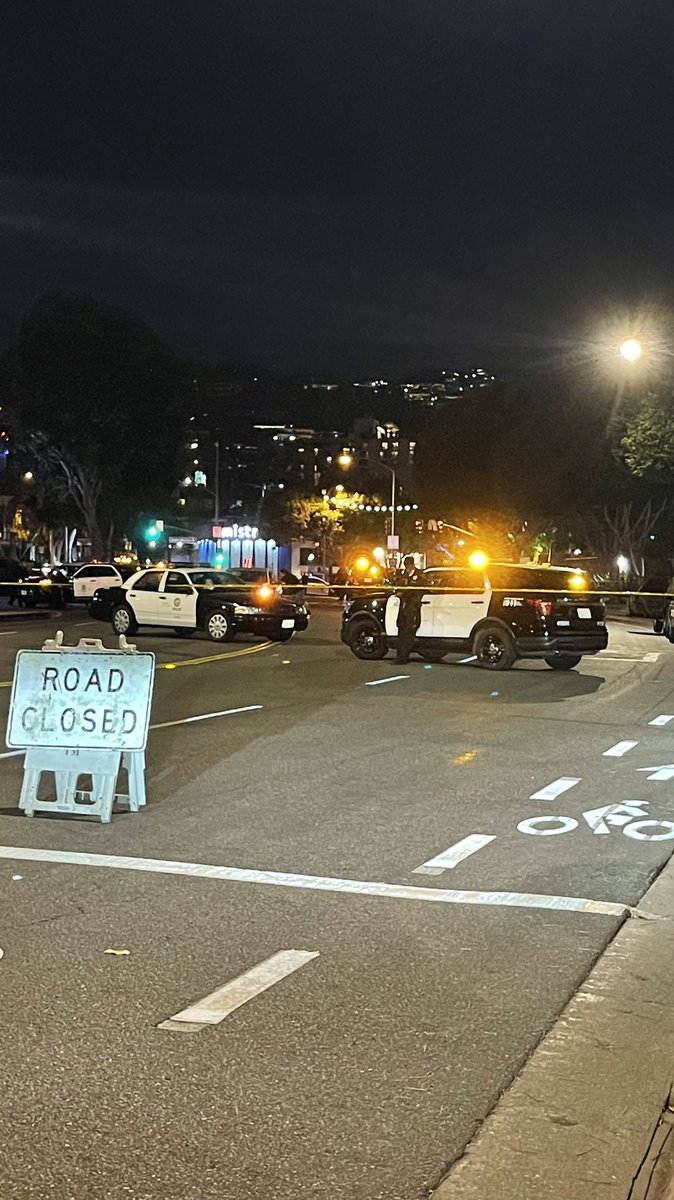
(82, 711)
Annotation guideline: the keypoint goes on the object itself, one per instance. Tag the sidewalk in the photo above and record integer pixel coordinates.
(588, 1117)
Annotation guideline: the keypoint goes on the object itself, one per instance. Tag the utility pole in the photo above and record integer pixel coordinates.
(216, 489)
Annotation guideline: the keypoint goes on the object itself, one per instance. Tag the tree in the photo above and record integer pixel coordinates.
(100, 403)
(648, 443)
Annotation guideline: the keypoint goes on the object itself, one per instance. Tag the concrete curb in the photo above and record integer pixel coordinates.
(578, 1121)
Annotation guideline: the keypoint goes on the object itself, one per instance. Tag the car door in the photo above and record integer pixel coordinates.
(143, 597)
(455, 613)
(178, 601)
(425, 628)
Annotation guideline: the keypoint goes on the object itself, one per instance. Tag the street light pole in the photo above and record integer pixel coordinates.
(216, 490)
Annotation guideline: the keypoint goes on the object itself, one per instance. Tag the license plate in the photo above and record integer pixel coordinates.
(584, 613)
(289, 624)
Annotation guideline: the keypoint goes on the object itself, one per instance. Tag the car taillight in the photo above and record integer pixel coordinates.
(543, 608)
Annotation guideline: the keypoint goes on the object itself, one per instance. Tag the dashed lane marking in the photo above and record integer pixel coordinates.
(451, 857)
(554, 789)
(317, 883)
(390, 679)
(663, 719)
(226, 712)
(619, 749)
(214, 1008)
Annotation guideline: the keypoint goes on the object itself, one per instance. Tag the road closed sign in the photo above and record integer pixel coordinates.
(78, 699)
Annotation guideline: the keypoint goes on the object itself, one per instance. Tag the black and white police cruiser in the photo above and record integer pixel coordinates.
(499, 613)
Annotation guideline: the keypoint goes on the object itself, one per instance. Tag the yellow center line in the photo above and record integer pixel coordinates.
(208, 658)
(193, 662)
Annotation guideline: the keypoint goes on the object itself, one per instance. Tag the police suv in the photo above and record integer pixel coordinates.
(499, 613)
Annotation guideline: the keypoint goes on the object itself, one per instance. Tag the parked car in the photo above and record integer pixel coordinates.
(46, 585)
(653, 600)
(190, 598)
(498, 613)
(89, 577)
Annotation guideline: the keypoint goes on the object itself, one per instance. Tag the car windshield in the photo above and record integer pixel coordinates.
(214, 579)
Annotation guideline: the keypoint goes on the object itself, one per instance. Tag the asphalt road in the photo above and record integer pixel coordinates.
(363, 1073)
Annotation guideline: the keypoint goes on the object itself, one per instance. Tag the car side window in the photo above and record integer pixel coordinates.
(456, 579)
(178, 583)
(148, 582)
(93, 572)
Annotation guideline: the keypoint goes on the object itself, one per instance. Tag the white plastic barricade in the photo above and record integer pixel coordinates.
(82, 711)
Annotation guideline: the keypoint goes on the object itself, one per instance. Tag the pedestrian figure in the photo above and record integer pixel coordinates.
(409, 612)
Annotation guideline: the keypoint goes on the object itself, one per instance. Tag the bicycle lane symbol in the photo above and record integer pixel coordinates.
(630, 817)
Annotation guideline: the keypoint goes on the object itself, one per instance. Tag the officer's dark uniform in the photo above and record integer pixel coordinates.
(409, 614)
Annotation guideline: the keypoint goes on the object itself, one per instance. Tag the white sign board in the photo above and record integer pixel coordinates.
(79, 699)
(393, 541)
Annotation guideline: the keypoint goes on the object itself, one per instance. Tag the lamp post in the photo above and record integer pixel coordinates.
(216, 489)
(345, 460)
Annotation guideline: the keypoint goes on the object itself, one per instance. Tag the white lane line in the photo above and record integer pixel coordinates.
(663, 719)
(316, 883)
(603, 657)
(619, 749)
(471, 658)
(454, 855)
(12, 753)
(390, 679)
(9, 632)
(81, 624)
(219, 1004)
(554, 789)
(226, 712)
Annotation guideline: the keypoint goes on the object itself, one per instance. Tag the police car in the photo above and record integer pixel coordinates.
(189, 598)
(499, 613)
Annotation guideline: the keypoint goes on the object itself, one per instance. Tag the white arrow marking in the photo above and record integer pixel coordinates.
(552, 790)
(619, 749)
(599, 819)
(664, 772)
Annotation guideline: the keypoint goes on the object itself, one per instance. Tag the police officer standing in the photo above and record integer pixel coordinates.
(409, 612)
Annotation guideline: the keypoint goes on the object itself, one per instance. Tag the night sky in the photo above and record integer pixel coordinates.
(355, 185)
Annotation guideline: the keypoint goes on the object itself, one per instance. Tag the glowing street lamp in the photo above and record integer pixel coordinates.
(631, 350)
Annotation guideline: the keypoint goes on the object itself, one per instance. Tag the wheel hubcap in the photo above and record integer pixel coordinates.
(367, 640)
(121, 621)
(493, 650)
(217, 626)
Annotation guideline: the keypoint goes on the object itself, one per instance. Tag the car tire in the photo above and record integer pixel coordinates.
(494, 648)
(123, 620)
(366, 639)
(431, 655)
(219, 627)
(563, 662)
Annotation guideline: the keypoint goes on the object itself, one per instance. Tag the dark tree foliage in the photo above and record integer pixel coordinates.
(100, 402)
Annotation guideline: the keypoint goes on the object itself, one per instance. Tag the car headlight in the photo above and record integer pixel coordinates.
(245, 610)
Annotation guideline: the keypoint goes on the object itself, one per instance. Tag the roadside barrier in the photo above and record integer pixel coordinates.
(79, 711)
